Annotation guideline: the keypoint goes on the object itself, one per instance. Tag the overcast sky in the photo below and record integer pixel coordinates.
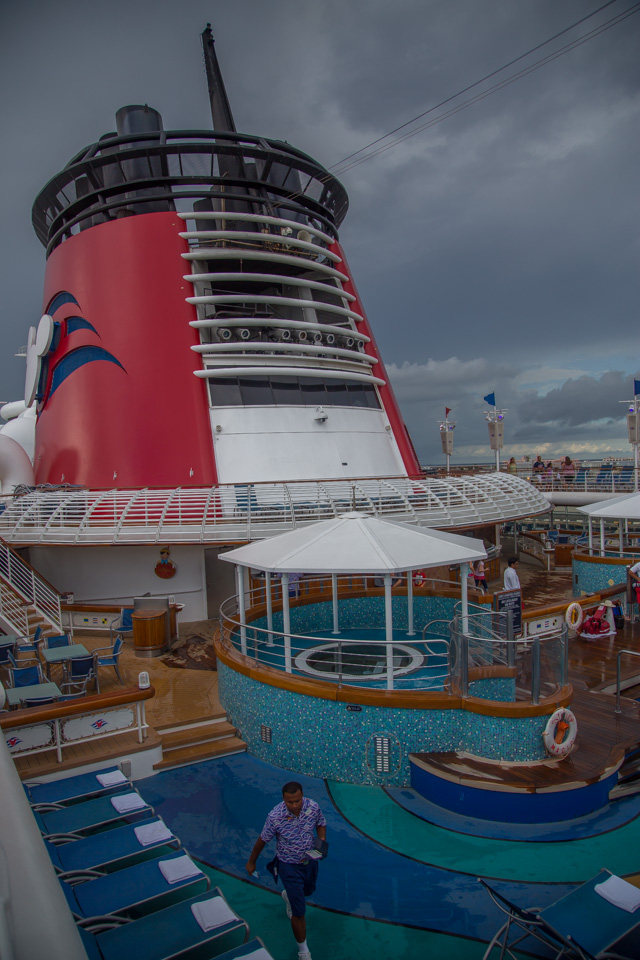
(496, 250)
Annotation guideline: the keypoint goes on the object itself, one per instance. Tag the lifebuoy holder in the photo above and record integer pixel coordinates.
(560, 732)
(419, 578)
(574, 616)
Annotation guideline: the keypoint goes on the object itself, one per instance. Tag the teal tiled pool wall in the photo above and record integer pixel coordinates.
(589, 577)
(325, 738)
(362, 612)
(494, 688)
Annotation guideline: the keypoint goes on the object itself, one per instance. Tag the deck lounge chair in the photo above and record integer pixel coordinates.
(253, 948)
(580, 926)
(116, 847)
(90, 894)
(55, 819)
(69, 789)
(163, 935)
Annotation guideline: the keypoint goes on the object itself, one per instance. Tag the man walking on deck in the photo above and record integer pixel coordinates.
(292, 823)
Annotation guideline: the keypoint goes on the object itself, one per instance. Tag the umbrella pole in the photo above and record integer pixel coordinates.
(388, 621)
(242, 615)
(410, 628)
(464, 595)
(286, 622)
(267, 583)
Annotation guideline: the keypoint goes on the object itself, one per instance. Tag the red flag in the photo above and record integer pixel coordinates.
(447, 411)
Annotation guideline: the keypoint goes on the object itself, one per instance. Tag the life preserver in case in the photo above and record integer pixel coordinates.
(419, 578)
(560, 733)
(574, 616)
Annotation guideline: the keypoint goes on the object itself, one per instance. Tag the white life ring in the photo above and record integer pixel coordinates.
(574, 616)
(419, 578)
(568, 734)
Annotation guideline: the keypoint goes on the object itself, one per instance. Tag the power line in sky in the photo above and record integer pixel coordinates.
(355, 159)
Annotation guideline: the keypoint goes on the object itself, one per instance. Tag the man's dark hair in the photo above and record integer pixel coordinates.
(511, 561)
(292, 787)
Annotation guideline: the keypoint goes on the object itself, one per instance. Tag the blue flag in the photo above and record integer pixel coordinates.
(490, 399)
(636, 387)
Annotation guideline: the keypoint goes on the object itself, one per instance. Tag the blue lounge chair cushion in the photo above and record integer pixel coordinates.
(70, 788)
(165, 934)
(247, 950)
(115, 846)
(122, 891)
(89, 815)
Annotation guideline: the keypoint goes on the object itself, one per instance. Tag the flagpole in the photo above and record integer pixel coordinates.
(446, 435)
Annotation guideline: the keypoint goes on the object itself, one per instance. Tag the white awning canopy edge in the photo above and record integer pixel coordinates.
(355, 543)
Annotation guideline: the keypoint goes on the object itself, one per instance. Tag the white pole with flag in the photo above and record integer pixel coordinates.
(636, 392)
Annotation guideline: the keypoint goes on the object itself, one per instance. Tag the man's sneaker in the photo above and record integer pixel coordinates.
(304, 954)
(288, 907)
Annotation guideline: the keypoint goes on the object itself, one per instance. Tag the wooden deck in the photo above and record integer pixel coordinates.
(189, 696)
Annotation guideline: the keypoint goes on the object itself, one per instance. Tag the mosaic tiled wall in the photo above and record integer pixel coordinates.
(362, 612)
(326, 739)
(591, 577)
(494, 688)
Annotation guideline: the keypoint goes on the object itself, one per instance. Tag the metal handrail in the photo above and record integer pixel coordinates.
(632, 653)
(29, 585)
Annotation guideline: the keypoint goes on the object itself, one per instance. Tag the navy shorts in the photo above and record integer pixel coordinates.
(299, 880)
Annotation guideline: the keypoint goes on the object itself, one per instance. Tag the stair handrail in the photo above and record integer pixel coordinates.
(28, 584)
(632, 653)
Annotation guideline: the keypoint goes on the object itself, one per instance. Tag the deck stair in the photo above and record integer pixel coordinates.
(206, 738)
(20, 617)
(628, 776)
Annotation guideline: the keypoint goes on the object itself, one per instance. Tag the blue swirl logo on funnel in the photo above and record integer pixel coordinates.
(44, 341)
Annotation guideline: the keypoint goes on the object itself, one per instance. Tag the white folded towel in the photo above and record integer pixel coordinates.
(212, 913)
(180, 868)
(620, 893)
(126, 802)
(155, 832)
(111, 779)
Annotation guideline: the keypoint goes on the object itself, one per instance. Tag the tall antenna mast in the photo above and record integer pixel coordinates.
(220, 108)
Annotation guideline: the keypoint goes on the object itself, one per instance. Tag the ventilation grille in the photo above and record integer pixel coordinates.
(265, 733)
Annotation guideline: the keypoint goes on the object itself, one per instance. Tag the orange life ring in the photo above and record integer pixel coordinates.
(574, 616)
(560, 733)
(419, 578)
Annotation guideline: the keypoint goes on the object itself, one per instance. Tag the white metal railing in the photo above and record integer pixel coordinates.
(14, 611)
(538, 664)
(237, 513)
(42, 735)
(24, 580)
(413, 661)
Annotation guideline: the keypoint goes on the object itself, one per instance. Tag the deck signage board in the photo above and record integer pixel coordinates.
(507, 600)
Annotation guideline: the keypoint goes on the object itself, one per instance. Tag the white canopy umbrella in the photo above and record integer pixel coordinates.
(353, 543)
(625, 507)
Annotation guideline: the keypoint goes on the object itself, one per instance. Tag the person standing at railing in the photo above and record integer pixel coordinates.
(511, 578)
(479, 575)
(512, 467)
(568, 470)
(538, 468)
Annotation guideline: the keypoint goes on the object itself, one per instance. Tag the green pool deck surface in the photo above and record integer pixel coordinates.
(376, 815)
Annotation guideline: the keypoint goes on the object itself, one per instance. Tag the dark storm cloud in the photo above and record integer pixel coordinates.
(505, 236)
(580, 402)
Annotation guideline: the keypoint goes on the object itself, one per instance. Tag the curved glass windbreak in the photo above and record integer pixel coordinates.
(122, 176)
